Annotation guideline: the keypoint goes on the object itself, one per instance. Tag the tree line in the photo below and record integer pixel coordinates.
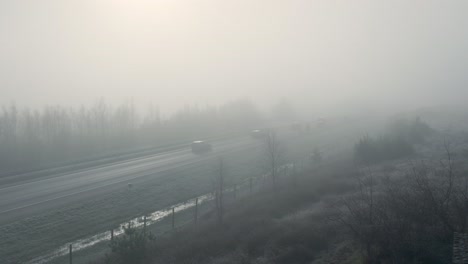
(55, 134)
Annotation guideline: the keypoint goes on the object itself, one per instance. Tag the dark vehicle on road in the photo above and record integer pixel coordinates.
(201, 147)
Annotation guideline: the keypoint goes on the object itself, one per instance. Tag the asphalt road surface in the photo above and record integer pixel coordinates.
(24, 195)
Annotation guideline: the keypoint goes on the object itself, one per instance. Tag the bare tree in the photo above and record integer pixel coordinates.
(358, 212)
(274, 155)
(317, 156)
(218, 188)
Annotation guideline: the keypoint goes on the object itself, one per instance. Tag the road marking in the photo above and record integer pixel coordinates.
(102, 167)
(126, 179)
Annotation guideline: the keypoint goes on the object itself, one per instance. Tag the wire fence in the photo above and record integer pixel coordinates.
(172, 218)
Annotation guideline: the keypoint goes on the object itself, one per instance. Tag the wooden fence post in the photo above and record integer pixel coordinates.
(112, 234)
(294, 175)
(173, 218)
(70, 254)
(196, 210)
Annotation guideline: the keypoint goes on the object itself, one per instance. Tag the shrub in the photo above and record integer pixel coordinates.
(370, 150)
(132, 246)
(398, 142)
(414, 131)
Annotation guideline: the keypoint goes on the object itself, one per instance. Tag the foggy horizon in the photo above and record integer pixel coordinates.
(318, 54)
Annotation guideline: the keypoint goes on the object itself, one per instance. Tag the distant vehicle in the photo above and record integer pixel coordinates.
(201, 147)
(257, 133)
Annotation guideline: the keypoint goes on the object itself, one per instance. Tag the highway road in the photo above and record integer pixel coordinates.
(24, 195)
(42, 210)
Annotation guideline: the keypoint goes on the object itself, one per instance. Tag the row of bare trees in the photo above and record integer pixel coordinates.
(55, 134)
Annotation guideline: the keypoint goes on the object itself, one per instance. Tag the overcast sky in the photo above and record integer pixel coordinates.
(174, 52)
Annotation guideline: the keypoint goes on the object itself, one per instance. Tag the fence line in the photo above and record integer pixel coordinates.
(157, 216)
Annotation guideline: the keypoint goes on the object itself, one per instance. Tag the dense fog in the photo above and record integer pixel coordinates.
(321, 55)
(242, 131)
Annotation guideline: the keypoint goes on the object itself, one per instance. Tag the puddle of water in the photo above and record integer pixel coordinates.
(106, 236)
